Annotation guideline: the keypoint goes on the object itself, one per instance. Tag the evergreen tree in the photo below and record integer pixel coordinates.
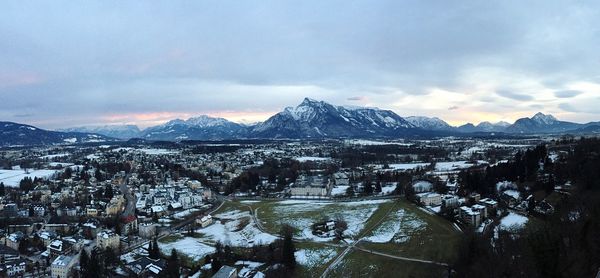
(215, 265)
(288, 258)
(83, 263)
(173, 269)
(2, 190)
(31, 212)
(108, 192)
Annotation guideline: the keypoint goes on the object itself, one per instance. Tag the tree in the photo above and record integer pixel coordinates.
(368, 189)
(31, 212)
(154, 250)
(350, 191)
(83, 262)
(173, 269)
(110, 258)
(108, 192)
(287, 251)
(2, 190)
(215, 265)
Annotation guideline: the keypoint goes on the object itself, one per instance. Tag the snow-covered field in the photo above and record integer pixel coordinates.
(12, 178)
(311, 158)
(513, 221)
(397, 228)
(407, 166)
(339, 190)
(188, 246)
(157, 151)
(454, 165)
(302, 214)
(315, 257)
(226, 229)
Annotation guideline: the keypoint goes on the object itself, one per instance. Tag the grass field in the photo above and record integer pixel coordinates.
(362, 264)
(419, 235)
(394, 227)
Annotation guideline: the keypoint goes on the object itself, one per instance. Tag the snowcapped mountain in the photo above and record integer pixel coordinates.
(21, 134)
(318, 119)
(492, 127)
(428, 123)
(541, 123)
(196, 128)
(115, 131)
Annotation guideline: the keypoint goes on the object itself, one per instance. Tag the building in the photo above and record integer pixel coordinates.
(106, 239)
(205, 221)
(430, 199)
(147, 230)
(15, 267)
(61, 267)
(450, 201)
(226, 272)
(422, 186)
(469, 216)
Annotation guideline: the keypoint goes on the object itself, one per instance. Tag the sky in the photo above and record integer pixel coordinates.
(77, 63)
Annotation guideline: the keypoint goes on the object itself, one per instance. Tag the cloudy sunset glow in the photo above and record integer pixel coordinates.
(70, 64)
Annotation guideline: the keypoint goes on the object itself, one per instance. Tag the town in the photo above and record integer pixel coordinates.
(266, 208)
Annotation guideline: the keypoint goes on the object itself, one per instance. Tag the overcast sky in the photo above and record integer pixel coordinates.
(144, 62)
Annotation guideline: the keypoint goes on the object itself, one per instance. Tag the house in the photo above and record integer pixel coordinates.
(15, 267)
(61, 267)
(205, 221)
(146, 267)
(147, 230)
(450, 201)
(13, 240)
(226, 272)
(8, 254)
(422, 186)
(58, 247)
(511, 197)
(107, 239)
(430, 199)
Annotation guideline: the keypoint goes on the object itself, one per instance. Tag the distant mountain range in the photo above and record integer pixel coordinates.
(12, 134)
(310, 119)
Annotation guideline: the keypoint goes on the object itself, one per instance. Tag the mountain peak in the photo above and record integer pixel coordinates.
(309, 101)
(543, 118)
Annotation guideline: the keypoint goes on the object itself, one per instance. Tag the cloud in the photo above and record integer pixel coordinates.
(568, 107)
(357, 98)
(453, 107)
(567, 93)
(81, 64)
(513, 95)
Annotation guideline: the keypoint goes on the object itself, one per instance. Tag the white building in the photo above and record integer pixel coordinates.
(62, 265)
(107, 239)
(430, 199)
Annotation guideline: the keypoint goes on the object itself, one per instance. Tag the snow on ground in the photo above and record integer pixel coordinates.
(504, 185)
(157, 151)
(249, 202)
(302, 214)
(60, 164)
(339, 190)
(12, 178)
(513, 221)
(188, 246)
(374, 143)
(315, 257)
(407, 166)
(311, 158)
(398, 227)
(388, 188)
(455, 165)
(226, 229)
(185, 213)
(53, 156)
(513, 193)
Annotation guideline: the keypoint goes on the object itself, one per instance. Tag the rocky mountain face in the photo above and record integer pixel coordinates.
(318, 119)
(197, 128)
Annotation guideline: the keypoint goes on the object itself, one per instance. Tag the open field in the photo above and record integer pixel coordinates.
(362, 264)
(391, 227)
